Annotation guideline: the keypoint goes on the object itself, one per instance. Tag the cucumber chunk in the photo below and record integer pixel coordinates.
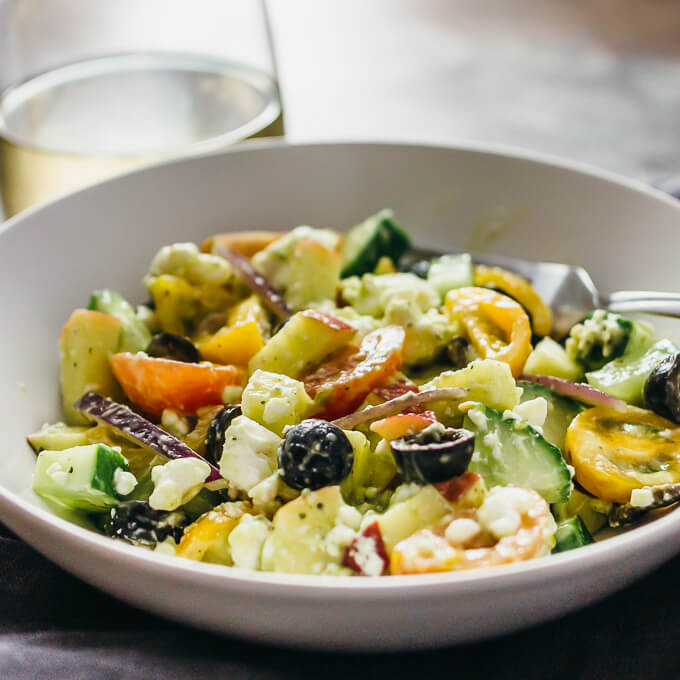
(625, 377)
(135, 335)
(591, 511)
(58, 436)
(509, 451)
(451, 271)
(550, 358)
(82, 477)
(571, 533)
(376, 237)
(561, 411)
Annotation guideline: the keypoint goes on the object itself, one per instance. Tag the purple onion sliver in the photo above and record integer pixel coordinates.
(141, 431)
(255, 281)
(398, 405)
(578, 391)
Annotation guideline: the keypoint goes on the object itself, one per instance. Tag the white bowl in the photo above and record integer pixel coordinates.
(52, 257)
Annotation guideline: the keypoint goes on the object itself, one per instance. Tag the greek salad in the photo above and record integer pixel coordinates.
(315, 402)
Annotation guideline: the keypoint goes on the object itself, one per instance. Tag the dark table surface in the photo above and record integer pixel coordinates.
(595, 80)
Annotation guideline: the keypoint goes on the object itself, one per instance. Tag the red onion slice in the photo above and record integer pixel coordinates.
(578, 391)
(255, 281)
(399, 404)
(141, 431)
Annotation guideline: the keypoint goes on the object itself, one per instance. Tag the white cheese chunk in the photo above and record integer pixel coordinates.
(501, 512)
(124, 482)
(186, 261)
(641, 498)
(461, 530)
(534, 411)
(246, 540)
(177, 482)
(249, 455)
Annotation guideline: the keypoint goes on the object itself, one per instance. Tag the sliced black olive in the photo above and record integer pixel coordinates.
(434, 454)
(314, 454)
(137, 522)
(660, 496)
(214, 441)
(456, 352)
(171, 346)
(662, 388)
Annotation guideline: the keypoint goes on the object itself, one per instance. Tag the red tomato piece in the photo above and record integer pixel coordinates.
(155, 384)
(340, 385)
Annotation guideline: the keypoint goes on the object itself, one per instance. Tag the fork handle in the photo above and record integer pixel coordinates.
(652, 302)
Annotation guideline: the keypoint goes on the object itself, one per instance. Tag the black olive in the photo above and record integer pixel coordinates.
(434, 454)
(662, 388)
(171, 346)
(456, 352)
(214, 440)
(138, 522)
(314, 454)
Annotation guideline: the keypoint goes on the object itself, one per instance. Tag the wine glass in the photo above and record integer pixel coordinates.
(91, 88)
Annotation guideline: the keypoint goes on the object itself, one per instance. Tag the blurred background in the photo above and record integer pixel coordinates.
(594, 80)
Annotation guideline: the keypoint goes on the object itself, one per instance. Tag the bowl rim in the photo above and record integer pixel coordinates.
(281, 143)
(295, 586)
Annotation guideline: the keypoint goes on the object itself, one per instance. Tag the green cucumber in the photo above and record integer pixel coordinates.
(561, 411)
(81, 478)
(550, 358)
(451, 271)
(571, 533)
(376, 237)
(58, 436)
(509, 451)
(625, 377)
(135, 335)
(591, 511)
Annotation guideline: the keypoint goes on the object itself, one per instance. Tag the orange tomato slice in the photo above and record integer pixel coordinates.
(520, 289)
(155, 384)
(341, 384)
(496, 325)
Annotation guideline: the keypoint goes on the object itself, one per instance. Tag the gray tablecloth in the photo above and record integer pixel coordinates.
(53, 626)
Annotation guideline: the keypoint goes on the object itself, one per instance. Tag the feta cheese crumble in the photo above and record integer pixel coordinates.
(501, 512)
(124, 482)
(177, 482)
(641, 498)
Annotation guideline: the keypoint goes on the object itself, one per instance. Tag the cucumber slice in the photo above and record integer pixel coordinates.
(625, 377)
(561, 411)
(571, 533)
(135, 335)
(81, 478)
(450, 271)
(509, 451)
(365, 244)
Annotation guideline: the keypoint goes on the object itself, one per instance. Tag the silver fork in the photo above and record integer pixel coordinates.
(570, 292)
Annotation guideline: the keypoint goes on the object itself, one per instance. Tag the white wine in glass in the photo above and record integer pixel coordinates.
(92, 118)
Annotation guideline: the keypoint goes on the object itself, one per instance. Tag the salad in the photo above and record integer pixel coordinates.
(321, 403)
